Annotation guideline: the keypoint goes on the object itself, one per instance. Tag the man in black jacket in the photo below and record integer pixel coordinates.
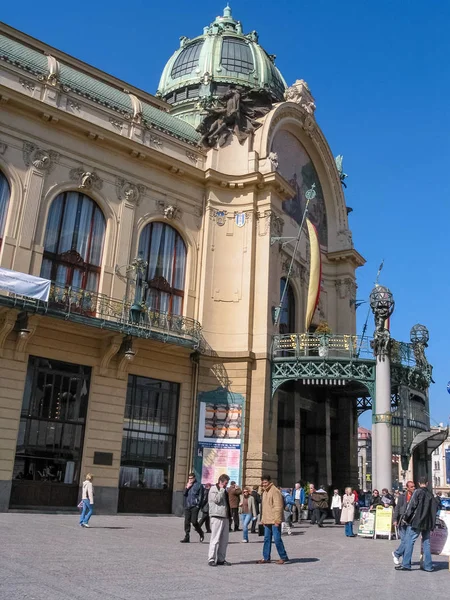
(399, 514)
(193, 497)
(420, 517)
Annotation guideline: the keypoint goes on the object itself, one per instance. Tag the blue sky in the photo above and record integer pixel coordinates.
(379, 74)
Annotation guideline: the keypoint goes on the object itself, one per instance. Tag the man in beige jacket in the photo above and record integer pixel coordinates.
(271, 518)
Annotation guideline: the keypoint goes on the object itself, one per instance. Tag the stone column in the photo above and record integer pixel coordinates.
(382, 304)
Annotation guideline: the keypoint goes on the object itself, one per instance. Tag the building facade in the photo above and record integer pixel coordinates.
(440, 465)
(153, 352)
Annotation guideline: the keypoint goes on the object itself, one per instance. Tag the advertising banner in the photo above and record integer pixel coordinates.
(447, 465)
(383, 521)
(219, 435)
(22, 284)
(366, 523)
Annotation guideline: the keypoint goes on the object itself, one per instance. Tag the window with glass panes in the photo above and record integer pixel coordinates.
(5, 193)
(52, 421)
(73, 245)
(165, 252)
(149, 433)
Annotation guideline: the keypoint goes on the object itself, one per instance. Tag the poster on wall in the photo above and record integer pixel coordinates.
(219, 435)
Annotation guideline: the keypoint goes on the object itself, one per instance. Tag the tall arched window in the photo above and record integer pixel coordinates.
(287, 315)
(5, 193)
(73, 243)
(164, 250)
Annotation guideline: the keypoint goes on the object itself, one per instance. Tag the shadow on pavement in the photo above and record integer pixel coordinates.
(291, 561)
(110, 527)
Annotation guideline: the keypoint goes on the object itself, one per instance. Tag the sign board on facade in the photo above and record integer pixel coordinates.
(22, 284)
(219, 435)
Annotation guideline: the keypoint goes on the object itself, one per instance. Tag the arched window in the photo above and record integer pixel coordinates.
(5, 193)
(164, 250)
(73, 243)
(287, 315)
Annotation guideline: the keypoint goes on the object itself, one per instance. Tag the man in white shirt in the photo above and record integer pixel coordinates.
(299, 500)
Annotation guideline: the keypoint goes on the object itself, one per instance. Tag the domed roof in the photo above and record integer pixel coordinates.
(203, 67)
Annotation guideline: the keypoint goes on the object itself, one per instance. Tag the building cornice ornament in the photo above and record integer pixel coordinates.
(86, 180)
(43, 160)
(131, 192)
(192, 157)
(27, 85)
(3, 147)
(218, 216)
(116, 124)
(169, 211)
(300, 94)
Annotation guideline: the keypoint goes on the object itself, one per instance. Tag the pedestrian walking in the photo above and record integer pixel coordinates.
(336, 507)
(87, 498)
(257, 499)
(420, 517)
(311, 513)
(247, 511)
(399, 522)
(288, 511)
(220, 517)
(348, 511)
(272, 506)
(193, 498)
(299, 500)
(234, 494)
(205, 509)
(320, 505)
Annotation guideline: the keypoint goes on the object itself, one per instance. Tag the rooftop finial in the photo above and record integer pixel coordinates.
(227, 11)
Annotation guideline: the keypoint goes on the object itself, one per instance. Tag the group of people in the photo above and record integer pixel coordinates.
(224, 505)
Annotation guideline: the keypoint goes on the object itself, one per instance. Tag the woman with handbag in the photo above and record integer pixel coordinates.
(87, 501)
(247, 509)
(348, 511)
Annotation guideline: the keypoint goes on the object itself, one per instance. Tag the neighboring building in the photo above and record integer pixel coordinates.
(364, 458)
(440, 465)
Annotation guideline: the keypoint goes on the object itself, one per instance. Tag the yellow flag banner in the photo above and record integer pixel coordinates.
(315, 274)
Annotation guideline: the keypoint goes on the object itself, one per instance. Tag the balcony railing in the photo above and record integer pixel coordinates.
(301, 346)
(99, 310)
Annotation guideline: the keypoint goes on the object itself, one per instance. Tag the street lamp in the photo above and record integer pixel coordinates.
(382, 304)
(419, 335)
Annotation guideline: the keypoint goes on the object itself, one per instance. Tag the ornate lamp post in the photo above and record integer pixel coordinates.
(382, 304)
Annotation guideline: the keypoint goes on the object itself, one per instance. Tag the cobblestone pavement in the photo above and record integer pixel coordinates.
(49, 557)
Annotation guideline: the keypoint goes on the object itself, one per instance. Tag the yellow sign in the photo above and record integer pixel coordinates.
(368, 477)
(383, 521)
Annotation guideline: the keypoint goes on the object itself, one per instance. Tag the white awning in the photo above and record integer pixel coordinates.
(433, 439)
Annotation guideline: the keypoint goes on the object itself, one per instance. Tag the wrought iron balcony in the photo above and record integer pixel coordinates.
(99, 310)
(325, 359)
(301, 346)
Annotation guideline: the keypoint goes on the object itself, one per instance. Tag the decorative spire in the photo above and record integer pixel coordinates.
(227, 11)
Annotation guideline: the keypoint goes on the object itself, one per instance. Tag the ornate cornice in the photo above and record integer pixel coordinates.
(43, 160)
(131, 192)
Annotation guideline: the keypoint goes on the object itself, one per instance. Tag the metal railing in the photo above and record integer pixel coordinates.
(99, 310)
(301, 346)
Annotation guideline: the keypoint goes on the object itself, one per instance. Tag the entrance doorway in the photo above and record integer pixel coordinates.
(148, 446)
(51, 433)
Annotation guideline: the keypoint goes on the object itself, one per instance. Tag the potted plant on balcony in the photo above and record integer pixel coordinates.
(323, 331)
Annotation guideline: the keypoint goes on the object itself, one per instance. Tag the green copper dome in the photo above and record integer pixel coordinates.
(203, 68)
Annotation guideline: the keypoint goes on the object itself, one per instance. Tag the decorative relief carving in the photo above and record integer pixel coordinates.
(131, 192)
(170, 211)
(269, 221)
(27, 84)
(72, 105)
(116, 124)
(3, 147)
(300, 93)
(218, 216)
(345, 241)
(273, 159)
(346, 288)
(44, 160)
(154, 140)
(86, 180)
(192, 157)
